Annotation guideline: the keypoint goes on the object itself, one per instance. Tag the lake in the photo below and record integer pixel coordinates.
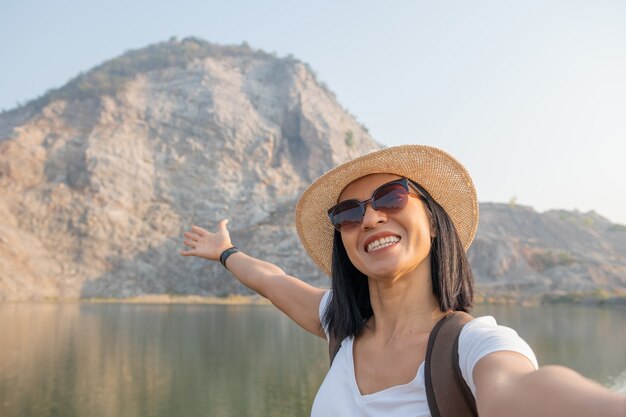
(136, 360)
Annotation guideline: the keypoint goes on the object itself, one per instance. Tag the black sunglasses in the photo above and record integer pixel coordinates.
(390, 197)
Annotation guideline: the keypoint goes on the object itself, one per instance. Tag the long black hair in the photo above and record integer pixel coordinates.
(452, 280)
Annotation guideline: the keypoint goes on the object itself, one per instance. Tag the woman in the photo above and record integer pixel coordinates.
(391, 228)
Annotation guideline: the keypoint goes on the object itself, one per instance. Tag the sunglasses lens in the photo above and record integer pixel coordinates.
(391, 197)
(347, 214)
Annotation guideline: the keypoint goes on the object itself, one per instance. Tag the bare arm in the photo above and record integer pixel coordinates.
(299, 300)
(508, 385)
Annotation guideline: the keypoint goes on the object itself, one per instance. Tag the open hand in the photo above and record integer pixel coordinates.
(207, 244)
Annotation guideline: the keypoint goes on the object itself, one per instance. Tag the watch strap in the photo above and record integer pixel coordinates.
(226, 254)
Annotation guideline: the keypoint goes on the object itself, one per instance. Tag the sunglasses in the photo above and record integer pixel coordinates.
(388, 198)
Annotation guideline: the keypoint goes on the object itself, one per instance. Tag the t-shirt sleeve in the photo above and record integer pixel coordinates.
(323, 305)
(483, 336)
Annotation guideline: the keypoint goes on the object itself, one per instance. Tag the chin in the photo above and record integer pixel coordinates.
(391, 272)
(384, 273)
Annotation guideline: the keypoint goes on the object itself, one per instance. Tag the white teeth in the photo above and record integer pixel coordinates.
(382, 243)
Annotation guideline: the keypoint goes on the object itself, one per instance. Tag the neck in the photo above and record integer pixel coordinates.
(404, 304)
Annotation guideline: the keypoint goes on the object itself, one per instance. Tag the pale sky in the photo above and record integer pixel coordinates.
(529, 95)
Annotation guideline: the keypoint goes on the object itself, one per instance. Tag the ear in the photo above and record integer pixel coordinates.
(432, 236)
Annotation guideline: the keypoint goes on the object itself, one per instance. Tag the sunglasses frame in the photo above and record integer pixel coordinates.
(406, 184)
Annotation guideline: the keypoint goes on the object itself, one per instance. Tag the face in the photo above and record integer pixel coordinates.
(387, 245)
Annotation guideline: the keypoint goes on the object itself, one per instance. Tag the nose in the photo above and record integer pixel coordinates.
(372, 217)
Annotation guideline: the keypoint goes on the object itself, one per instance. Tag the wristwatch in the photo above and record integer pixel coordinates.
(226, 254)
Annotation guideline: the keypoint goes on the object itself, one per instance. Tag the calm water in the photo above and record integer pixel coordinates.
(200, 360)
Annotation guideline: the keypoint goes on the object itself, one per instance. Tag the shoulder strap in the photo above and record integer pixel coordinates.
(447, 393)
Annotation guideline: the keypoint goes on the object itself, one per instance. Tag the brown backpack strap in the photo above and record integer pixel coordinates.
(447, 393)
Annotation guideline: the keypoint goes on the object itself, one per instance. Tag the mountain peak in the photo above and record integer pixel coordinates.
(112, 76)
(105, 173)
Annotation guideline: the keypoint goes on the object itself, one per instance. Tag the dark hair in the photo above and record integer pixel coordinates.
(452, 280)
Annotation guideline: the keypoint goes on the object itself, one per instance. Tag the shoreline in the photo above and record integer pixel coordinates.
(152, 299)
(589, 301)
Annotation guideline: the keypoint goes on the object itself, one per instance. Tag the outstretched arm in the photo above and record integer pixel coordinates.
(294, 297)
(508, 385)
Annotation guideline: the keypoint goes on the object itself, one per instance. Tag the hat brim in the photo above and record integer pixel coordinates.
(445, 179)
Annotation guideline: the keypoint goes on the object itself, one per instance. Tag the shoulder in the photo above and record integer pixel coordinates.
(322, 309)
(483, 336)
(484, 331)
(325, 302)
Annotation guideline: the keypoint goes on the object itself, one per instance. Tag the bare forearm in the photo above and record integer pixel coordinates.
(252, 272)
(557, 391)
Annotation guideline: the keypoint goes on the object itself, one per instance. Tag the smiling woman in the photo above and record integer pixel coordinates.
(391, 229)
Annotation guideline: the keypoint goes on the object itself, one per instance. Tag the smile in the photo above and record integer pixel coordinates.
(382, 243)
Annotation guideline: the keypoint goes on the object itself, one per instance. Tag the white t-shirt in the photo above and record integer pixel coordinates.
(339, 394)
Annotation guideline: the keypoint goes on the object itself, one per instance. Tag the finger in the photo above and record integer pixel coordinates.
(222, 225)
(190, 243)
(198, 230)
(191, 236)
(186, 252)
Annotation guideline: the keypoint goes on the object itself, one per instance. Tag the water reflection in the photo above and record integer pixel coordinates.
(198, 360)
(590, 340)
(137, 360)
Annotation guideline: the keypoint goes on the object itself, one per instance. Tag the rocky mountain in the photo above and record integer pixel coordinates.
(519, 253)
(100, 178)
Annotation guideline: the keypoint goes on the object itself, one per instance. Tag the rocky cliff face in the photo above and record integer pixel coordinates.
(523, 254)
(99, 179)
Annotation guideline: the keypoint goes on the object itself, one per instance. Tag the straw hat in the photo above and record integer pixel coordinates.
(445, 179)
